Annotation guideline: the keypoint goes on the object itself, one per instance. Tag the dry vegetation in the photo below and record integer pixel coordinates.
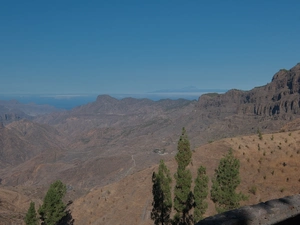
(14, 201)
(269, 169)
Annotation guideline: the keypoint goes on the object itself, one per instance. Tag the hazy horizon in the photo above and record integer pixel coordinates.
(69, 101)
(133, 47)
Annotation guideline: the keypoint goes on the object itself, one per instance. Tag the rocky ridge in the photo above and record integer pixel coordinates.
(107, 133)
(280, 98)
(105, 141)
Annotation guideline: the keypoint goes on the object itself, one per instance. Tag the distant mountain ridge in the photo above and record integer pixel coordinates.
(189, 89)
(13, 111)
(104, 141)
(109, 127)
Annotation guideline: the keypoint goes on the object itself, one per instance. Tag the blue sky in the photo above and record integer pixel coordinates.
(96, 47)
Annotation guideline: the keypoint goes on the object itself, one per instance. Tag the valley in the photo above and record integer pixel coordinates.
(106, 151)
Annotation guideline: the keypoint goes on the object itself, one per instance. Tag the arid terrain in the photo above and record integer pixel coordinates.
(107, 150)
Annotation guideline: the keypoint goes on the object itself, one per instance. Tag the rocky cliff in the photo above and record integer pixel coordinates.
(279, 98)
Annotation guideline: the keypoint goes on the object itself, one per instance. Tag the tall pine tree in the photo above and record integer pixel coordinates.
(53, 208)
(184, 154)
(225, 182)
(184, 199)
(200, 194)
(31, 215)
(162, 201)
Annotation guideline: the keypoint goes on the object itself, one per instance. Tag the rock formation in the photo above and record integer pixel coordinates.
(280, 98)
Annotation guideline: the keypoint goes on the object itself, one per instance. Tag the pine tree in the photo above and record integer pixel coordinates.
(225, 182)
(184, 199)
(184, 154)
(31, 215)
(53, 208)
(200, 194)
(162, 201)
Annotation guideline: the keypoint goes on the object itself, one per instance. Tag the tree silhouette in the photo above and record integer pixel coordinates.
(162, 201)
(200, 194)
(184, 199)
(31, 215)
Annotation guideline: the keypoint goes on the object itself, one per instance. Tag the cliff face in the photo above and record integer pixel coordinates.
(280, 98)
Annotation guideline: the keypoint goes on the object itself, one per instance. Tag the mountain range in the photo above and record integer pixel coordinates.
(189, 89)
(102, 144)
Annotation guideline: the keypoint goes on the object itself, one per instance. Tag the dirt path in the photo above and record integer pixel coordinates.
(131, 168)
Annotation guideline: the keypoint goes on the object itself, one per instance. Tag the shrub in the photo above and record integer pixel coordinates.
(259, 134)
(253, 190)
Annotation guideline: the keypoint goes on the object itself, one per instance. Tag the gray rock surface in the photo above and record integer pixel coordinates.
(275, 211)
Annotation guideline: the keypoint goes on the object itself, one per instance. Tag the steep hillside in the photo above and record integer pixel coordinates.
(12, 207)
(269, 169)
(22, 140)
(109, 133)
(279, 98)
(112, 140)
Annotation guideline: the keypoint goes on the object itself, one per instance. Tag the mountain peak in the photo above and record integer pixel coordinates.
(297, 67)
(106, 99)
(283, 74)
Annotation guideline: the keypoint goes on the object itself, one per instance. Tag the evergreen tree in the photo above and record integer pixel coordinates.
(184, 199)
(225, 182)
(184, 154)
(31, 215)
(162, 201)
(200, 193)
(53, 208)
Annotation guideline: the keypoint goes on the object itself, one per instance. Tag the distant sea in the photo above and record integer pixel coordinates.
(71, 101)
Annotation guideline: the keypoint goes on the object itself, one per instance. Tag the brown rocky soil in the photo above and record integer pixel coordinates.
(272, 170)
(108, 142)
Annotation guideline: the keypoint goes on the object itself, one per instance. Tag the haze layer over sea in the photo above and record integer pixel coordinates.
(70, 101)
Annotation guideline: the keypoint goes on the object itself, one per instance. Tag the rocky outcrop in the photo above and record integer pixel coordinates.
(280, 98)
(278, 211)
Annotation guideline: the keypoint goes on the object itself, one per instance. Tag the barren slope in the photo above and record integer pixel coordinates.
(110, 140)
(14, 111)
(270, 166)
(101, 138)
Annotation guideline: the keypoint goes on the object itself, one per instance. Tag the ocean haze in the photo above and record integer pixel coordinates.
(106, 151)
(70, 101)
(96, 93)
(113, 47)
